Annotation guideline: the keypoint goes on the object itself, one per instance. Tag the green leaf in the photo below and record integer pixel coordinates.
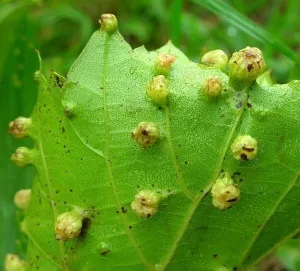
(17, 97)
(9, 17)
(86, 159)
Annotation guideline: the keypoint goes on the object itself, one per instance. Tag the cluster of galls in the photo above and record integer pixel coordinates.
(20, 128)
(244, 68)
(224, 191)
(146, 133)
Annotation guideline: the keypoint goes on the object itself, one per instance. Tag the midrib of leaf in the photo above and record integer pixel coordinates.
(198, 199)
(255, 237)
(107, 156)
(176, 166)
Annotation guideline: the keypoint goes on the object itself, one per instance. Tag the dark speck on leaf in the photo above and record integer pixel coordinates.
(232, 200)
(239, 104)
(104, 253)
(244, 157)
(86, 223)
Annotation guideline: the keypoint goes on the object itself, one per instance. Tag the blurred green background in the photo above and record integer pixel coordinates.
(60, 29)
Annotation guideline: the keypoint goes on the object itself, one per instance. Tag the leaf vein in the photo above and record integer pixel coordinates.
(108, 161)
(176, 166)
(273, 210)
(193, 208)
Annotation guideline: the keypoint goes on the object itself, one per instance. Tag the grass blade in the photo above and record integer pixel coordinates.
(235, 18)
(176, 10)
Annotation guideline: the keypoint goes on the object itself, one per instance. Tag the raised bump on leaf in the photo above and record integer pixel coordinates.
(146, 133)
(158, 90)
(14, 263)
(145, 203)
(244, 148)
(245, 66)
(23, 156)
(216, 58)
(20, 127)
(212, 86)
(68, 225)
(37, 76)
(104, 248)
(22, 198)
(56, 80)
(69, 111)
(109, 23)
(23, 226)
(224, 192)
(163, 63)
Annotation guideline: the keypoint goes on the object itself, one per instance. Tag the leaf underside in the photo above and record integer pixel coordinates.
(90, 161)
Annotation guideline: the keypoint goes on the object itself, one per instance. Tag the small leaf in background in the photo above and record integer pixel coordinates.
(289, 254)
(17, 98)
